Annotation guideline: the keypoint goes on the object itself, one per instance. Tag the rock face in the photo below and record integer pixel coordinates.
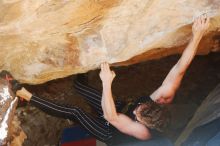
(10, 130)
(43, 40)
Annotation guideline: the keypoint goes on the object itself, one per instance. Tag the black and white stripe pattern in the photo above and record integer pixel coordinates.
(93, 96)
(98, 127)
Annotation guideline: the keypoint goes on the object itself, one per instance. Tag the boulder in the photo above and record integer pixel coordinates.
(10, 131)
(44, 40)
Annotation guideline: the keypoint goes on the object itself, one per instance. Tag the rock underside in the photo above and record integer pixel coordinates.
(44, 40)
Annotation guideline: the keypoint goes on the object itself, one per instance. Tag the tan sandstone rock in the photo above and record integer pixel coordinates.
(41, 40)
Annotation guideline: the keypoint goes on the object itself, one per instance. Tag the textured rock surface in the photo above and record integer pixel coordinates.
(206, 113)
(43, 40)
(10, 130)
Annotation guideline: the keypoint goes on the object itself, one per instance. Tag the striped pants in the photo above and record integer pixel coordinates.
(97, 126)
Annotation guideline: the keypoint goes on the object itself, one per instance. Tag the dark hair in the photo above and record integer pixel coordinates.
(155, 116)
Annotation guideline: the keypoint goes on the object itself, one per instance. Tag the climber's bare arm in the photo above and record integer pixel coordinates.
(165, 93)
(120, 121)
(23, 93)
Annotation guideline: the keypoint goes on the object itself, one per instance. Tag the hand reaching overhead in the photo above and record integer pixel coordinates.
(166, 92)
(200, 25)
(106, 74)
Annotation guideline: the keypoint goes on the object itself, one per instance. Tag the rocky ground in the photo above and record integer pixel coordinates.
(131, 82)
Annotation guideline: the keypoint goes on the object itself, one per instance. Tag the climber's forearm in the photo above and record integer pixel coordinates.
(108, 104)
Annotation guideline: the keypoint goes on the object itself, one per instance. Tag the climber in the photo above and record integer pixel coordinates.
(144, 119)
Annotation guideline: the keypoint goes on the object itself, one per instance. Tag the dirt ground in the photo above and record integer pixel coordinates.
(130, 82)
